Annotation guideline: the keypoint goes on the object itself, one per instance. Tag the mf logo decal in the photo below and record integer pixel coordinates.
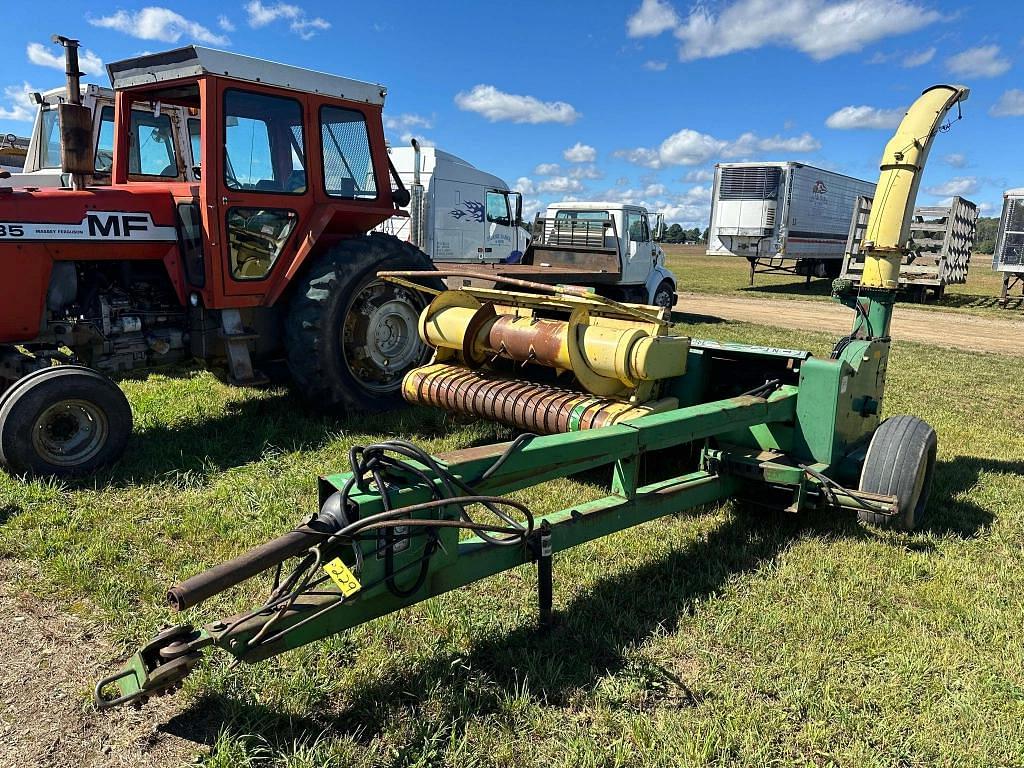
(819, 187)
(471, 208)
(97, 225)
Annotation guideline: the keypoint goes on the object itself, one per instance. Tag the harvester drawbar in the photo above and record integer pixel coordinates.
(594, 383)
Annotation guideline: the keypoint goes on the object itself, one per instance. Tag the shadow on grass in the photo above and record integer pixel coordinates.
(592, 638)
(817, 287)
(247, 431)
(966, 300)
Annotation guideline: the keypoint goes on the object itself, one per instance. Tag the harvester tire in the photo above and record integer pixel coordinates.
(900, 462)
(351, 337)
(63, 421)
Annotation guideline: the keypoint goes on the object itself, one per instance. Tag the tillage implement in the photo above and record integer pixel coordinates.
(591, 383)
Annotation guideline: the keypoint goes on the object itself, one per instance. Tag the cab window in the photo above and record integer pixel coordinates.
(49, 147)
(151, 146)
(497, 209)
(348, 165)
(264, 145)
(636, 224)
(194, 140)
(103, 157)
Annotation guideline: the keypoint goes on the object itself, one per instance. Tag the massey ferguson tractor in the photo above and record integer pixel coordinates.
(265, 263)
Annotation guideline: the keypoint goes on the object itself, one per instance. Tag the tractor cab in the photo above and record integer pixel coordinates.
(286, 158)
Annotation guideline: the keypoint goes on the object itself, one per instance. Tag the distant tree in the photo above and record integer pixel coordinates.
(704, 237)
(674, 234)
(693, 235)
(985, 237)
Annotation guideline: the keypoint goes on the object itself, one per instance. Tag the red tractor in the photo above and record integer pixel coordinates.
(266, 263)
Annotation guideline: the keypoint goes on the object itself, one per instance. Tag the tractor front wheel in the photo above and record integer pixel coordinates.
(351, 336)
(63, 421)
(900, 462)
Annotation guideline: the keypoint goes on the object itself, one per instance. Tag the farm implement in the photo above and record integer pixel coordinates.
(592, 383)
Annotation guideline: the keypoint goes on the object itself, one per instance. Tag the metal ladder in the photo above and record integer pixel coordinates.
(236, 345)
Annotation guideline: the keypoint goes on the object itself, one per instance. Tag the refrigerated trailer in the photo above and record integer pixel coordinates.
(1009, 254)
(783, 217)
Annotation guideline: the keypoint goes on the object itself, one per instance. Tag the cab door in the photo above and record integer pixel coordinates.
(262, 195)
(640, 251)
(500, 243)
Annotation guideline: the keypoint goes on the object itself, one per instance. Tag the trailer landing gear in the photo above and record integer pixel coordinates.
(64, 420)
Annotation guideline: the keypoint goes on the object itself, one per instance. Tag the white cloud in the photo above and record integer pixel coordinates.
(655, 65)
(261, 15)
(580, 153)
(547, 169)
(225, 23)
(155, 23)
(497, 105)
(585, 171)
(19, 103)
(822, 30)
(43, 56)
(955, 160)
(961, 185)
(407, 120)
(851, 118)
(983, 61)
(1010, 104)
(702, 174)
(524, 186)
(560, 185)
(651, 19)
(918, 59)
(690, 147)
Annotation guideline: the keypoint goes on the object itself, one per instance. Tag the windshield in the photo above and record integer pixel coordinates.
(583, 215)
(49, 144)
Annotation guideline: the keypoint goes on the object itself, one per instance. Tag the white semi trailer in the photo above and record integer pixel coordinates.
(783, 217)
(458, 213)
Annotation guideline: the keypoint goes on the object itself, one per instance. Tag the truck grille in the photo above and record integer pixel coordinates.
(749, 183)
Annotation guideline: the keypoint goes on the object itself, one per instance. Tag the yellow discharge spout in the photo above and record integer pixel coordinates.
(888, 226)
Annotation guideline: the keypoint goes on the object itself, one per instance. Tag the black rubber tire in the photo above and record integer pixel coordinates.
(900, 462)
(24, 404)
(665, 287)
(318, 309)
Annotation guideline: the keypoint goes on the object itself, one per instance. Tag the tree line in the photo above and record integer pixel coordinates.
(676, 234)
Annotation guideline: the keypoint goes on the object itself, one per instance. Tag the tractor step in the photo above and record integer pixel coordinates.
(258, 379)
(236, 336)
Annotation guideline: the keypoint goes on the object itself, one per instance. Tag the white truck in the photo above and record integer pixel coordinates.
(610, 246)
(158, 137)
(783, 217)
(458, 213)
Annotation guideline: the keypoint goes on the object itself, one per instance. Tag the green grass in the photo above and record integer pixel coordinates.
(728, 637)
(718, 274)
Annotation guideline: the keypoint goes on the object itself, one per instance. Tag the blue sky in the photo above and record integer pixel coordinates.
(631, 101)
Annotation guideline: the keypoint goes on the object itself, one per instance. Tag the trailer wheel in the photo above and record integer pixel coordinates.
(900, 462)
(350, 336)
(63, 421)
(664, 295)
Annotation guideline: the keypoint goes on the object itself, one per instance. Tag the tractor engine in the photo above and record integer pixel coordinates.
(115, 316)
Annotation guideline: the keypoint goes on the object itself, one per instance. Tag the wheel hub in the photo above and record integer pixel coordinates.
(70, 432)
(380, 338)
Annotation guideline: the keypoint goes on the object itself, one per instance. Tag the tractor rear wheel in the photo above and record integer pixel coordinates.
(63, 421)
(351, 336)
(900, 462)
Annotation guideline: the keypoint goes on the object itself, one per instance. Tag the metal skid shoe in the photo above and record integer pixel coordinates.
(157, 668)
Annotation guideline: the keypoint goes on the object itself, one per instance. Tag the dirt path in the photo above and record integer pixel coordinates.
(48, 660)
(942, 329)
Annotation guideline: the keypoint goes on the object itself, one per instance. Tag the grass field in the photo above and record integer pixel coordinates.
(716, 274)
(729, 637)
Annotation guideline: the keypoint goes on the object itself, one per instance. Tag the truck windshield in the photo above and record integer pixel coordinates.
(49, 139)
(583, 215)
